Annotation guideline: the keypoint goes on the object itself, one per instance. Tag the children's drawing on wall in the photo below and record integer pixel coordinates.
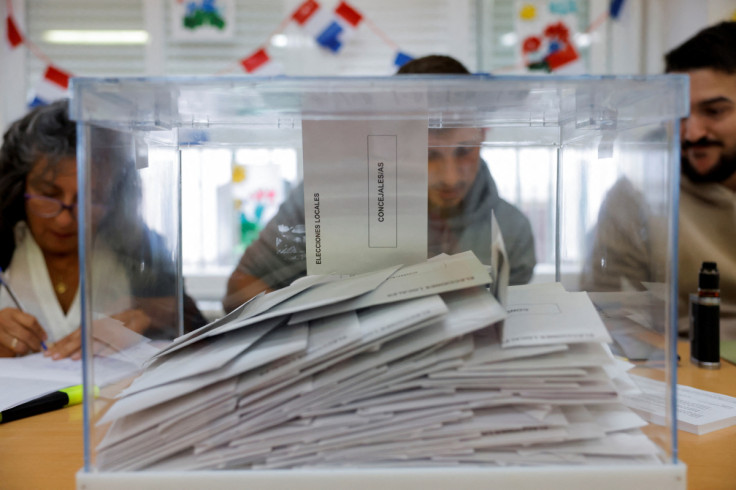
(546, 30)
(201, 20)
(258, 189)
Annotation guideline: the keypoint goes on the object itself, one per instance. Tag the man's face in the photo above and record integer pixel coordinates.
(454, 156)
(709, 134)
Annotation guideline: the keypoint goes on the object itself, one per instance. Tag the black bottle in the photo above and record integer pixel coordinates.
(705, 309)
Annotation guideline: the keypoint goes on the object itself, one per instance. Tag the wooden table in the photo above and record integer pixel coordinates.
(45, 451)
(710, 458)
(41, 452)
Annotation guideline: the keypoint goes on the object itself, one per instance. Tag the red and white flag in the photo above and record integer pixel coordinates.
(330, 29)
(15, 38)
(305, 12)
(312, 17)
(259, 63)
(52, 86)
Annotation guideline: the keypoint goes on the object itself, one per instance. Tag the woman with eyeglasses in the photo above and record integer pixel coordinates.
(39, 253)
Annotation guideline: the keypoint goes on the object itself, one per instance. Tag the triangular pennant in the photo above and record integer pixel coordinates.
(15, 38)
(305, 11)
(260, 63)
(51, 87)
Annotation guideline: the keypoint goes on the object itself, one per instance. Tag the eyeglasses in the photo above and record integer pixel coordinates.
(48, 207)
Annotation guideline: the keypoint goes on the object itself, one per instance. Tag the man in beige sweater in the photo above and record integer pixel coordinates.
(622, 251)
(708, 135)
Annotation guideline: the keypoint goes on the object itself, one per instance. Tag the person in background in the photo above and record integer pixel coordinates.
(131, 276)
(623, 245)
(461, 196)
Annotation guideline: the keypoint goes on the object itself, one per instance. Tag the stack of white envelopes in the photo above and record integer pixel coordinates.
(404, 367)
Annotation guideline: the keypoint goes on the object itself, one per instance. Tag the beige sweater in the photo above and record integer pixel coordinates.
(629, 246)
(708, 233)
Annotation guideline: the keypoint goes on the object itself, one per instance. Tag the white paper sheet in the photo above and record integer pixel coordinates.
(542, 314)
(15, 391)
(698, 411)
(251, 308)
(323, 294)
(127, 427)
(200, 358)
(365, 193)
(281, 343)
(436, 276)
(395, 383)
(28, 377)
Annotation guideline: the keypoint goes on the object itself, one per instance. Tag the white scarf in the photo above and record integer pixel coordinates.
(29, 278)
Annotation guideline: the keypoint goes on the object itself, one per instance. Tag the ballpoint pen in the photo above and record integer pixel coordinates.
(15, 299)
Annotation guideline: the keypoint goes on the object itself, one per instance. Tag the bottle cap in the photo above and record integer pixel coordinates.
(708, 278)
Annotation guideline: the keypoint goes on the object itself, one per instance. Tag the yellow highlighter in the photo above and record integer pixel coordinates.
(46, 403)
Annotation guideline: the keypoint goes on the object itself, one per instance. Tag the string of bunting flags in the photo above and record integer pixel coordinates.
(333, 28)
(55, 81)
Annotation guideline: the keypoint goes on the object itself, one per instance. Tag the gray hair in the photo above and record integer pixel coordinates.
(45, 131)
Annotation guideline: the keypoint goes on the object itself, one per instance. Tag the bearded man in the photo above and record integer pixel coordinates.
(708, 135)
(624, 249)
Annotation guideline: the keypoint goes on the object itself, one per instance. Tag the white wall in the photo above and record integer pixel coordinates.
(633, 44)
(13, 70)
(417, 26)
(671, 22)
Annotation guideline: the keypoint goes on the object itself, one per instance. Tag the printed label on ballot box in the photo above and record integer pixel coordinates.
(365, 193)
(382, 198)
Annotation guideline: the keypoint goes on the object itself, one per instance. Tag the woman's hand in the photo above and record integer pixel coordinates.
(136, 320)
(69, 346)
(20, 333)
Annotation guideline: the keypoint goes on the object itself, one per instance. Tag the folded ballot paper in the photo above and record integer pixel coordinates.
(402, 367)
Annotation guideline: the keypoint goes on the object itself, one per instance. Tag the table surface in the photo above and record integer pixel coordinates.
(45, 451)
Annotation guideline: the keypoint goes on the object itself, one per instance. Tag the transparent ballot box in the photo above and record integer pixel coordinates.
(411, 281)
